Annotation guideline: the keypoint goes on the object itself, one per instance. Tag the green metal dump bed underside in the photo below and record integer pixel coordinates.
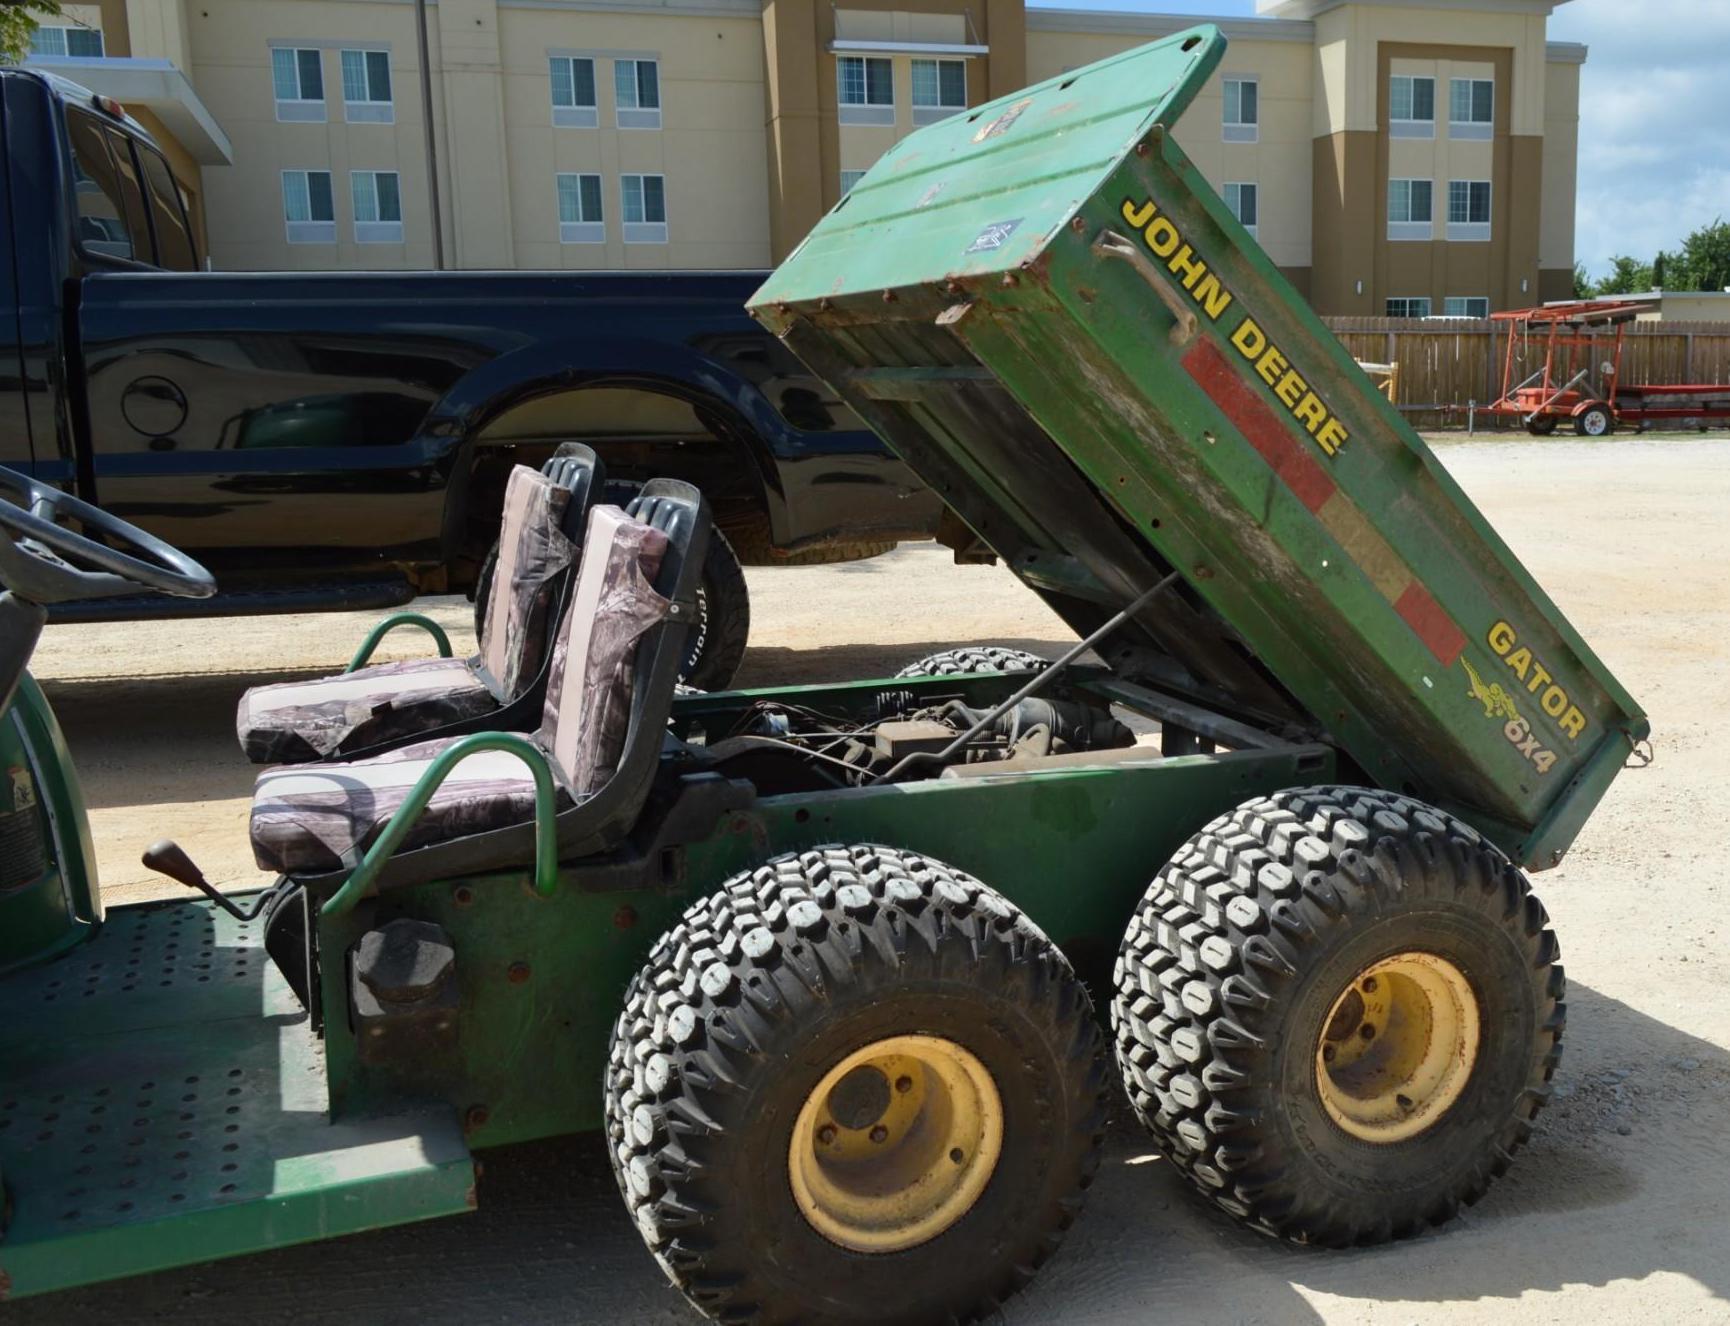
(1044, 307)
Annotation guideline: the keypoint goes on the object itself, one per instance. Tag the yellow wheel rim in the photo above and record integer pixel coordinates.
(895, 1144)
(1398, 1047)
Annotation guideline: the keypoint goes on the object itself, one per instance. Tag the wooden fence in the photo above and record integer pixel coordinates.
(1456, 362)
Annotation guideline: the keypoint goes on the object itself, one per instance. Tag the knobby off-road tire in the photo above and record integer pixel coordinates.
(758, 996)
(974, 658)
(1241, 960)
(723, 625)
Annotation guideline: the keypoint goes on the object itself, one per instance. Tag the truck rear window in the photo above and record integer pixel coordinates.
(174, 247)
(110, 205)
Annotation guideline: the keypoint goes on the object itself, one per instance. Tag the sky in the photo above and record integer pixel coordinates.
(1654, 115)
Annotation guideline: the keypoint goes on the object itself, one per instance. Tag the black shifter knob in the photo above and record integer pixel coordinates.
(167, 857)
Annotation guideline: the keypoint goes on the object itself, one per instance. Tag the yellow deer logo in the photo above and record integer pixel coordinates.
(1497, 702)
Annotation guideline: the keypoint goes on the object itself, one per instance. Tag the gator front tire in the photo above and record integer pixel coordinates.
(1338, 1011)
(854, 1085)
(974, 658)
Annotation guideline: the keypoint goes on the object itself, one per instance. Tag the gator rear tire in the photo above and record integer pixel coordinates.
(854, 1085)
(974, 658)
(1338, 1011)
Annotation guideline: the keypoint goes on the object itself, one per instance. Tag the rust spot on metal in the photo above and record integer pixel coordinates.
(474, 1117)
(463, 896)
(952, 286)
(518, 973)
(889, 296)
(470, 1198)
(1010, 280)
(1077, 224)
(625, 917)
(1203, 572)
(825, 304)
(1141, 149)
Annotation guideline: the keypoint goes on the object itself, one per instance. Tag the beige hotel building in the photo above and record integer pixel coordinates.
(1410, 157)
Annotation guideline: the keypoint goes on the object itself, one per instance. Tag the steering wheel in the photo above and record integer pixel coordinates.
(43, 561)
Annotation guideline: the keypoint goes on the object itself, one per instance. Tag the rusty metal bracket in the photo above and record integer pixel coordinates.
(1109, 244)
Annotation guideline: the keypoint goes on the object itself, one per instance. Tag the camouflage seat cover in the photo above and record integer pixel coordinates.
(289, 722)
(318, 818)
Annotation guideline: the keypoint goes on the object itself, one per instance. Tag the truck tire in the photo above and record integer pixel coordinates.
(1595, 421)
(975, 658)
(1542, 425)
(1338, 1011)
(723, 624)
(854, 1085)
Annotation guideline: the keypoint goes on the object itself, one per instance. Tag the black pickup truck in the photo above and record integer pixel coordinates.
(341, 439)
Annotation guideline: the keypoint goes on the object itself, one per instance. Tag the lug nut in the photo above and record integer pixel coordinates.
(957, 1155)
(879, 1134)
(826, 1134)
(903, 1084)
(1367, 1032)
(1369, 985)
(1327, 1054)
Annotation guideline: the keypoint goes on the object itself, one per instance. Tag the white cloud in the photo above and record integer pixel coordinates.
(1654, 103)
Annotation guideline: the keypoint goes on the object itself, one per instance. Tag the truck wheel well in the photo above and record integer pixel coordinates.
(641, 431)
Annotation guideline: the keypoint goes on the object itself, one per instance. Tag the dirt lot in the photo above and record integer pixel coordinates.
(1619, 1210)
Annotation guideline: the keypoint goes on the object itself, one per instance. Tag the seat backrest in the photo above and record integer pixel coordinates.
(612, 604)
(544, 514)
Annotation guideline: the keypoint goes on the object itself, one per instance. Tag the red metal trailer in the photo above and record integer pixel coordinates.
(1581, 377)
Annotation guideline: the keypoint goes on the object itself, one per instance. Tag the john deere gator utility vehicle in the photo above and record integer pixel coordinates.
(812, 960)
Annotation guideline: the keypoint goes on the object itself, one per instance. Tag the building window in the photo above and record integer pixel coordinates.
(366, 87)
(1242, 110)
(1471, 107)
(643, 204)
(1469, 306)
(80, 42)
(580, 219)
(848, 179)
(1408, 308)
(377, 206)
(1240, 201)
(1468, 209)
(1412, 107)
(573, 79)
(637, 93)
(867, 84)
(308, 207)
(1409, 210)
(299, 78)
(939, 89)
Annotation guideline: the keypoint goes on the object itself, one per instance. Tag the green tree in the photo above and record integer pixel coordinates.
(1628, 276)
(1704, 263)
(1658, 270)
(19, 20)
(1582, 282)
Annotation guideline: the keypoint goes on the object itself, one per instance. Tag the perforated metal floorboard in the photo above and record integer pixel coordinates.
(163, 1101)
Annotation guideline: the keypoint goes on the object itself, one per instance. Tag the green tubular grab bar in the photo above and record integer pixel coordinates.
(360, 882)
(390, 624)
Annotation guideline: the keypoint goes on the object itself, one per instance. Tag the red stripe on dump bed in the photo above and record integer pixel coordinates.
(1261, 427)
(1432, 623)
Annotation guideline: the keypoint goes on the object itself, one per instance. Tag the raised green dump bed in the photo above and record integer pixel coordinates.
(1043, 306)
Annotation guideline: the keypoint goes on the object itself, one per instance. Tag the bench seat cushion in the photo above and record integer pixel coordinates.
(292, 721)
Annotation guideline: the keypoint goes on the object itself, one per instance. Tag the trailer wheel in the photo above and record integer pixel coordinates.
(1338, 1011)
(974, 658)
(1542, 425)
(1595, 421)
(854, 1085)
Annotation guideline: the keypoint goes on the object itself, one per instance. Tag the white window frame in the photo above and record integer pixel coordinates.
(585, 229)
(1234, 128)
(64, 32)
(1407, 229)
(645, 231)
(1466, 301)
(848, 179)
(1411, 128)
(636, 115)
(1422, 309)
(370, 110)
(300, 109)
(310, 231)
(578, 115)
(865, 111)
(929, 112)
(374, 229)
(1470, 231)
(1234, 202)
(1473, 129)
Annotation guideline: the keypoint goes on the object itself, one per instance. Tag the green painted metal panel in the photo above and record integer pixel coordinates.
(163, 1102)
(542, 979)
(1045, 308)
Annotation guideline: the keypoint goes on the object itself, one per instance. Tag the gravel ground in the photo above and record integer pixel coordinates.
(1618, 1211)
